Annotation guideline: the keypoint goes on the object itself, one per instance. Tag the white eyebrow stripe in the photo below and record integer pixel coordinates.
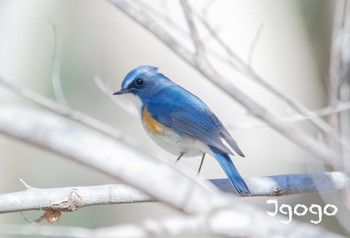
(128, 82)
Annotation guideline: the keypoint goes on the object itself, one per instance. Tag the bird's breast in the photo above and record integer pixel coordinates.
(151, 124)
(171, 140)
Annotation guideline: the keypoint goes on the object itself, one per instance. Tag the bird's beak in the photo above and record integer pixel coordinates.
(121, 91)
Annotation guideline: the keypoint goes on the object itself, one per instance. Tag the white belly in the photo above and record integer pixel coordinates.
(177, 144)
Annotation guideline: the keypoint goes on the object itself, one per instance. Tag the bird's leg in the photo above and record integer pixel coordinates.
(200, 166)
(181, 154)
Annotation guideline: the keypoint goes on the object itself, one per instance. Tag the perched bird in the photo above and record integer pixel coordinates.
(179, 121)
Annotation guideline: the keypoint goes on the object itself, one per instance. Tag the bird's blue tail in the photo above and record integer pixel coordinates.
(231, 171)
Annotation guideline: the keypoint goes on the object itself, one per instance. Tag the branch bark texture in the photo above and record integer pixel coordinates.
(73, 198)
(176, 188)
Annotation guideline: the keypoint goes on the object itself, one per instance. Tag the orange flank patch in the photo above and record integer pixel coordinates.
(152, 124)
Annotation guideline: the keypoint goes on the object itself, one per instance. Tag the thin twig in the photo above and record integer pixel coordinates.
(56, 66)
(343, 106)
(322, 112)
(200, 53)
(25, 184)
(180, 30)
(253, 45)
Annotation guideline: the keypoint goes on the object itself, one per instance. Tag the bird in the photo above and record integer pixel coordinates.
(180, 122)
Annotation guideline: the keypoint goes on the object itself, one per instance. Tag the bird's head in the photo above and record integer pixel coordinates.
(143, 82)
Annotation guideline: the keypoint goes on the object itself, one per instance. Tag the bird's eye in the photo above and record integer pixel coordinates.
(139, 82)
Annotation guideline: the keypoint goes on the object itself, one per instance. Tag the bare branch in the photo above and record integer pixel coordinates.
(56, 66)
(345, 106)
(253, 45)
(289, 131)
(247, 70)
(47, 131)
(200, 54)
(76, 115)
(73, 198)
(287, 184)
(174, 187)
(70, 198)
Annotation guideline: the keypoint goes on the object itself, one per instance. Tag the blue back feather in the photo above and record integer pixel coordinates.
(188, 115)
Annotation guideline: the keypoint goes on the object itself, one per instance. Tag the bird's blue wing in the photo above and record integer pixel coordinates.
(180, 110)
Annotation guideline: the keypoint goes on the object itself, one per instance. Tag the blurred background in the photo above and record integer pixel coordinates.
(291, 52)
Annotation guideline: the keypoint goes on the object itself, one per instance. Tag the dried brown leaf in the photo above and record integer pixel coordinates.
(50, 216)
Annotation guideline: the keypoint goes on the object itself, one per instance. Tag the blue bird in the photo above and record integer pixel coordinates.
(180, 122)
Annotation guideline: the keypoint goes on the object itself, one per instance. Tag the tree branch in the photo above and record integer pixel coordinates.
(174, 187)
(56, 66)
(70, 198)
(211, 211)
(73, 198)
(77, 115)
(289, 131)
(287, 184)
(200, 53)
(237, 63)
(79, 143)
